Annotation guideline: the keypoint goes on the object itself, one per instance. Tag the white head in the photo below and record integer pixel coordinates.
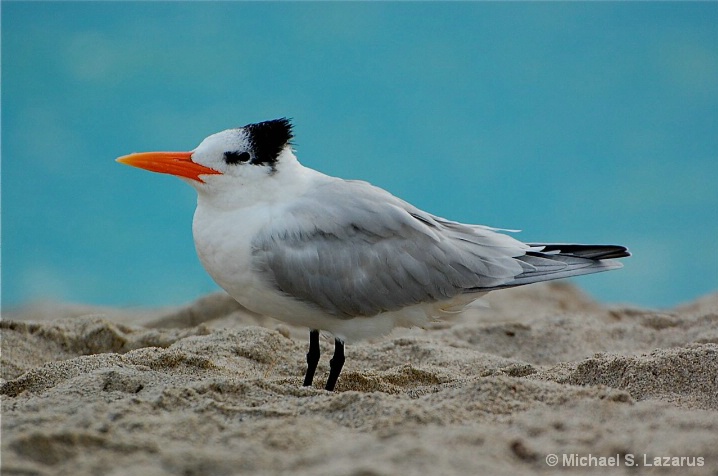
(232, 162)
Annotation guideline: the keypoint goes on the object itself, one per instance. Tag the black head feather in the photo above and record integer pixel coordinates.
(267, 139)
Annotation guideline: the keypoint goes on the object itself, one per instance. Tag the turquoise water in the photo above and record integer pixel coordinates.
(575, 122)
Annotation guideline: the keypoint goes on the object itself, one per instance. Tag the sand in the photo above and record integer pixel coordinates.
(211, 389)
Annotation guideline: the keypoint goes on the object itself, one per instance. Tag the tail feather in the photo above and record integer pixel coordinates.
(547, 262)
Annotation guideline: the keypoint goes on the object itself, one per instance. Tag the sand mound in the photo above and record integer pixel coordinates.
(211, 389)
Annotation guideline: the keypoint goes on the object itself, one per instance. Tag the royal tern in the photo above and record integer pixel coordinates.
(343, 256)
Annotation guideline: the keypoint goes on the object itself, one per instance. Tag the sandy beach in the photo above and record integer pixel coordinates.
(211, 389)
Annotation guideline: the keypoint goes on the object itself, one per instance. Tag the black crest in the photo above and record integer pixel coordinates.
(267, 139)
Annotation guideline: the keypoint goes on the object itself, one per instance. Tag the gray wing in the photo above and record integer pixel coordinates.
(355, 250)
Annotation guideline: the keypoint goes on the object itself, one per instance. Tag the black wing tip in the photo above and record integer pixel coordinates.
(612, 251)
(596, 252)
(622, 252)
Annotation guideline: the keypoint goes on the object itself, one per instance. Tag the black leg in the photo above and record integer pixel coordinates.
(336, 364)
(312, 357)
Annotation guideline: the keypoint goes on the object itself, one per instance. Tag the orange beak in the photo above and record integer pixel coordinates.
(173, 163)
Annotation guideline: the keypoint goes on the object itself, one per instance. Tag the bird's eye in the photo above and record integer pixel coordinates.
(236, 157)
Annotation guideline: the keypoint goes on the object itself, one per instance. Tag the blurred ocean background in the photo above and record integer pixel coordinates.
(574, 122)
